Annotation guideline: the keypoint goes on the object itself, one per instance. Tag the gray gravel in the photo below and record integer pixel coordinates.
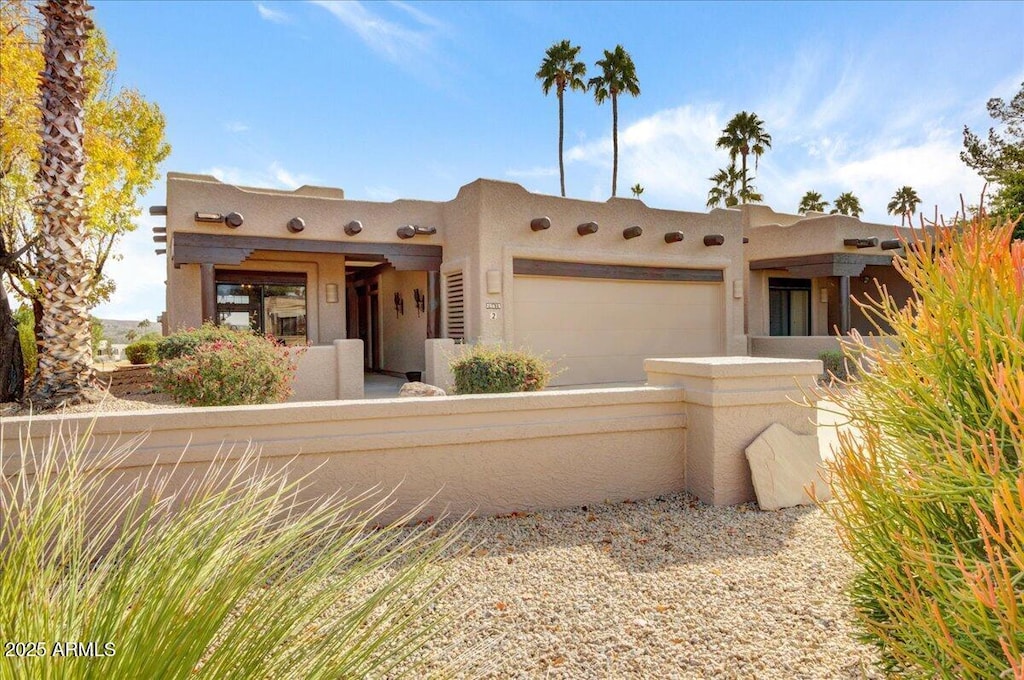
(667, 588)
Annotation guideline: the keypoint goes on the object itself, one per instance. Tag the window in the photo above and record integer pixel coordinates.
(269, 303)
(789, 306)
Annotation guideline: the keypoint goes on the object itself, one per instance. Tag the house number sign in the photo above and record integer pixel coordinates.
(492, 306)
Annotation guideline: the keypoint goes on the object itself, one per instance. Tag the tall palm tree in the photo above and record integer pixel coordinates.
(561, 69)
(811, 202)
(904, 202)
(618, 74)
(637, 189)
(724, 192)
(846, 204)
(742, 136)
(64, 373)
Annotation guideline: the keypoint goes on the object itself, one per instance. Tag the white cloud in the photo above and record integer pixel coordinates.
(274, 176)
(236, 126)
(405, 45)
(139, 273)
(273, 15)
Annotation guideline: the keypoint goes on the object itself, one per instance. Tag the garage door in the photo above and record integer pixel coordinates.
(601, 330)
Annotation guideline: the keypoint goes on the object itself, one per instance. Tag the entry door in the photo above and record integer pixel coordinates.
(368, 302)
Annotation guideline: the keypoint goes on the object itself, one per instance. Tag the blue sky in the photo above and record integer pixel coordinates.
(405, 100)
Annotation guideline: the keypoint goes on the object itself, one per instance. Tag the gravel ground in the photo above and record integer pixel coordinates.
(666, 588)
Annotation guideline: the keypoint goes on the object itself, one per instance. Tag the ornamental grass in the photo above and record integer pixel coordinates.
(929, 494)
(229, 575)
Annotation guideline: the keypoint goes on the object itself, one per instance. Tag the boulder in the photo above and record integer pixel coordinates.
(783, 466)
(418, 389)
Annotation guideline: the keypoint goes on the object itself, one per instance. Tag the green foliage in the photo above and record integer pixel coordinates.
(141, 352)
(930, 493)
(186, 341)
(812, 202)
(1002, 153)
(488, 369)
(743, 135)
(234, 575)
(847, 204)
(1008, 201)
(26, 321)
(226, 368)
(835, 364)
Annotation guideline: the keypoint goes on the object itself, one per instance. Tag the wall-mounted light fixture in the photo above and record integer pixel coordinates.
(587, 228)
(296, 224)
(540, 223)
(673, 237)
(891, 244)
(631, 232)
(860, 242)
(409, 230)
(714, 240)
(399, 304)
(823, 295)
(737, 289)
(420, 300)
(331, 293)
(353, 228)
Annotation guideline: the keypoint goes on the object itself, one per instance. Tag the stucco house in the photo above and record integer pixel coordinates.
(596, 286)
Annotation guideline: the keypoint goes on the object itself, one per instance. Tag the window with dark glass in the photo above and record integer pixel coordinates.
(268, 303)
(789, 306)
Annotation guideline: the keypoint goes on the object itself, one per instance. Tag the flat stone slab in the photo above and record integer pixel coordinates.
(783, 466)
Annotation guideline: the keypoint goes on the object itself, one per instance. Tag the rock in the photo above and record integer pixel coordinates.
(418, 389)
(783, 465)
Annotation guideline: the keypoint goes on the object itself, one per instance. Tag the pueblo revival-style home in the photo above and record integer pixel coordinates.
(598, 287)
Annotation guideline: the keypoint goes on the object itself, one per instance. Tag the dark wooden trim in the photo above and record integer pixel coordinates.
(821, 259)
(613, 271)
(194, 248)
(433, 304)
(363, 273)
(208, 292)
(254, 277)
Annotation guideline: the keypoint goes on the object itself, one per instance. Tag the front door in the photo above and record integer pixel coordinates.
(368, 304)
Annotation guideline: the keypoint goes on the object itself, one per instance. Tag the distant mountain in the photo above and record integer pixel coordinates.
(115, 330)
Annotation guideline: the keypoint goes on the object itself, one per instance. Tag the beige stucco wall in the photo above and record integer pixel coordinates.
(329, 372)
(402, 335)
(484, 454)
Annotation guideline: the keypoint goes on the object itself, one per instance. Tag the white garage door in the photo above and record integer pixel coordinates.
(601, 330)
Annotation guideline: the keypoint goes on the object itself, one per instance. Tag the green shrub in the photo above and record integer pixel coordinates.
(141, 352)
(930, 491)
(186, 341)
(26, 321)
(235, 575)
(487, 369)
(235, 368)
(835, 364)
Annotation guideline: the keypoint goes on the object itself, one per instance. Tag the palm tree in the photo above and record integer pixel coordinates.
(561, 69)
(904, 202)
(637, 189)
(618, 74)
(742, 136)
(811, 202)
(847, 204)
(724, 192)
(64, 373)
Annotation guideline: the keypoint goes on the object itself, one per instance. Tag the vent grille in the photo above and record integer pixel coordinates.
(455, 319)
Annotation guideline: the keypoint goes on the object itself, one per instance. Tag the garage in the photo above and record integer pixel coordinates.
(601, 321)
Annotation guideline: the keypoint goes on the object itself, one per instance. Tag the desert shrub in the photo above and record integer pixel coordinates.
(236, 368)
(835, 364)
(234, 575)
(186, 341)
(930, 493)
(487, 369)
(141, 352)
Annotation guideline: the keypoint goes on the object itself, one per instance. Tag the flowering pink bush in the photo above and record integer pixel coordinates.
(237, 368)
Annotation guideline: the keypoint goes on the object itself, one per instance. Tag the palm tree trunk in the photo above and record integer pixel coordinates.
(743, 189)
(64, 373)
(615, 142)
(12, 363)
(561, 138)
